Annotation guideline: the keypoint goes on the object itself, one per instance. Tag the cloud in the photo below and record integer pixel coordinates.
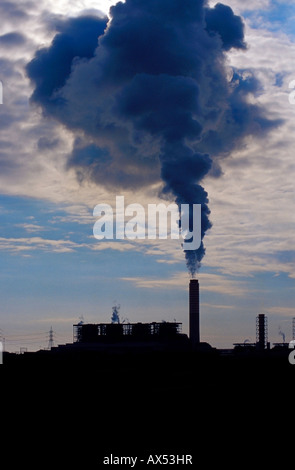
(116, 246)
(77, 38)
(19, 245)
(281, 310)
(210, 283)
(15, 245)
(241, 7)
(218, 307)
(221, 20)
(45, 143)
(253, 203)
(13, 39)
(13, 10)
(31, 228)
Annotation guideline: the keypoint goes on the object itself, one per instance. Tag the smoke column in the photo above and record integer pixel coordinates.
(281, 333)
(115, 314)
(149, 97)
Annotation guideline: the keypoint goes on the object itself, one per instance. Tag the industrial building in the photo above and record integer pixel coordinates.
(115, 332)
(158, 334)
(261, 331)
(126, 337)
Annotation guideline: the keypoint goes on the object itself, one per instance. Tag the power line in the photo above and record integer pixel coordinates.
(29, 335)
(33, 339)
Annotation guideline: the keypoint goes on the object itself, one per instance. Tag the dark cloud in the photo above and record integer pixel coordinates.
(167, 107)
(153, 99)
(45, 143)
(221, 20)
(77, 38)
(12, 39)
(279, 79)
(100, 165)
(14, 11)
(7, 120)
(4, 144)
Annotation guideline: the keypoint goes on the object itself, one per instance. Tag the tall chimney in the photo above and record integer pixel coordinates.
(194, 312)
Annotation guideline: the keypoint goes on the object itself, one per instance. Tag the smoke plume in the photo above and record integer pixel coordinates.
(150, 97)
(115, 314)
(282, 334)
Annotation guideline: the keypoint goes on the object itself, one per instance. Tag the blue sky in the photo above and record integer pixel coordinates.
(278, 17)
(53, 271)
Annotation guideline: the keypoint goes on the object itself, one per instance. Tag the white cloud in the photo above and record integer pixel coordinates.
(218, 307)
(210, 282)
(281, 310)
(31, 228)
(240, 5)
(19, 245)
(115, 245)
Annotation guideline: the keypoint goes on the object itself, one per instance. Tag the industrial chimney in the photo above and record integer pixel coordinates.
(194, 312)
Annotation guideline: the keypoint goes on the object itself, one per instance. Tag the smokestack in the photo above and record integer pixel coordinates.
(194, 312)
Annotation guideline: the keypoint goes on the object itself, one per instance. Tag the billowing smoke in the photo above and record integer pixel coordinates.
(149, 96)
(115, 315)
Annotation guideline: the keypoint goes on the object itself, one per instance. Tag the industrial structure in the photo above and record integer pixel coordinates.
(261, 336)
(261, 331)
(125, 332)
(128, 333)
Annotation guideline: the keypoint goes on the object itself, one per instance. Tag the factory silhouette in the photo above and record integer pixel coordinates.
(94, 340)
(146, 388)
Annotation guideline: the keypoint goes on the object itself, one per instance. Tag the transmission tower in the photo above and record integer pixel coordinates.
(2, 339)
(51, 338)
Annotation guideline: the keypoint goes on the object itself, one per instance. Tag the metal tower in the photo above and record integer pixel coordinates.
(293, 328)
(261, 331)
(51, 338)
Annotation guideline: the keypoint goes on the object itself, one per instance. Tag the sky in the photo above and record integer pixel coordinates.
(207, 110)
